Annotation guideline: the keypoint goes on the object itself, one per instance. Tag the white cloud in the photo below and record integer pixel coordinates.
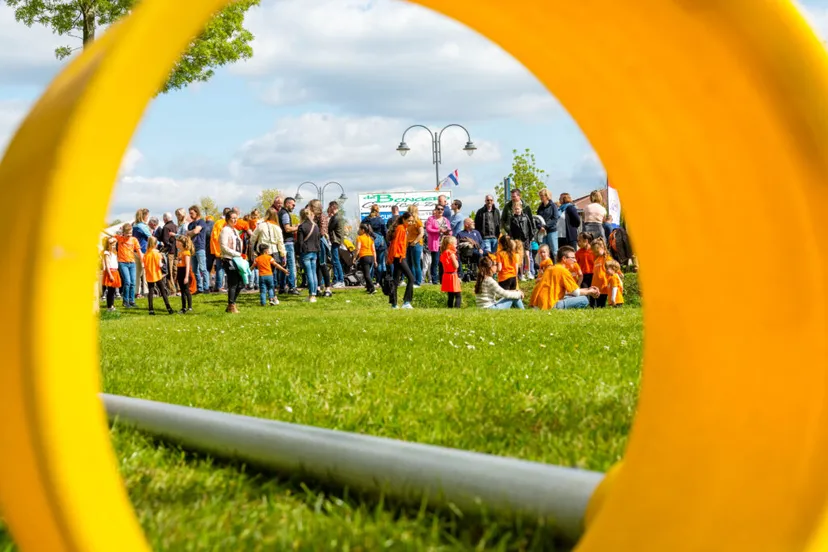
(27, 55)
(385, 57)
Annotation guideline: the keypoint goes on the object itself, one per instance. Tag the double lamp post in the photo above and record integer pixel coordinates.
(320, 192)
(436, 146)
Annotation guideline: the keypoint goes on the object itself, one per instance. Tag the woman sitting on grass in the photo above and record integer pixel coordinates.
(489, 295)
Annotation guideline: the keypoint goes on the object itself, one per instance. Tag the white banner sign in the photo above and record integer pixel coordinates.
(425, 201)
(613, 204)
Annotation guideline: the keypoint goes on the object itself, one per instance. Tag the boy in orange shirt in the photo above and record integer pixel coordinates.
(155, 276)
(267, 286)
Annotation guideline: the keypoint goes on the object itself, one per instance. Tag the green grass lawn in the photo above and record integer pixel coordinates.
(556, 387)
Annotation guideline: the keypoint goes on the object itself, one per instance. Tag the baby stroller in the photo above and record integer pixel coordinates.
(467, 261)
(353, 276)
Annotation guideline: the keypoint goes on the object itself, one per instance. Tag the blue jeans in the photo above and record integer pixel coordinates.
(309, 261)
(581, 302)
(201, 274)
(267, 289)
(127, 271)
(219, 274)
(378, 271)
(436, 268)
(290, 277)
(489, 245)
(414, 256)
(339, 275)
(551, 239)
(508, 304)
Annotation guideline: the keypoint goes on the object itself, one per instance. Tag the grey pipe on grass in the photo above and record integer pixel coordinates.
(473, 482)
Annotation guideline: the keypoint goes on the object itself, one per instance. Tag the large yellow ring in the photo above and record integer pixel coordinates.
(711, 117)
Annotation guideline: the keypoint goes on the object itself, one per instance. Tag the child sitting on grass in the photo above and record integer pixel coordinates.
(267, 287)
(489, 295)
(616, 284)
(450, 262)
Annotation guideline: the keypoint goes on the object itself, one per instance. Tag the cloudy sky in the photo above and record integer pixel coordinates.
(331, 87)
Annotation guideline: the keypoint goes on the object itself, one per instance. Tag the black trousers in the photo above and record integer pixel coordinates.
(365, 265)
(186, 296)
(160, 288)
(401, 269)
(509, 283)
(454, 299)
(234, 282)
(110, 297)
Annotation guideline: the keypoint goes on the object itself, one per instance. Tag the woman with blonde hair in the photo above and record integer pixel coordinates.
(141, 231)
(414, 253)
(323, 273)
(594, 215)
(308, 244)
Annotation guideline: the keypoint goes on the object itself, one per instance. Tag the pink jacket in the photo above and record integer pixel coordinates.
(432, 228)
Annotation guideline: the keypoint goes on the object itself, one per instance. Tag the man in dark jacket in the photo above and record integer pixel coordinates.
(336, 232)
(168, 232)
(487, 222)
(548, 211)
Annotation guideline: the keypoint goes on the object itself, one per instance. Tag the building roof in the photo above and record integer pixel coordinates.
(583, 201)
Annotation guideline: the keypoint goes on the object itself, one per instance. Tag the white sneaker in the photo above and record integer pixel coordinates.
(338, 285)
(407, 306)
(312, 299)
(523, 278)
(416, 286)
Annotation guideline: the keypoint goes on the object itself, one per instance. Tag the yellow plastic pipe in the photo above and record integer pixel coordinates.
(712, 118)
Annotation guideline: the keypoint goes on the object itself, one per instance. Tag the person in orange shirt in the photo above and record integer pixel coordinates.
(616, 284)
(508, 258)
(264, 263)
(184, 257)
(450, 262)
(396, 259)
(558, 289)
(128, 247)
(599, 271)
(543, 255)
(155, 276)
(366, 255)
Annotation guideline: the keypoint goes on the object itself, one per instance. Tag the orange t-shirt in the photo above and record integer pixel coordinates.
(215, 246)
(413, 231)
(575, 270)
(615, 281)
(127, 247)
(509, 264)
(242, 225)
(264, 264)
(600, 279)
(182, 255)
(398, 246)
(366, 246)
(585, 259)
(152, 266)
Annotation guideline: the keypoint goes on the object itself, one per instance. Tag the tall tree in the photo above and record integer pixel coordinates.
(209, 208)
(526, 176)
(224, 41)
(265, 199)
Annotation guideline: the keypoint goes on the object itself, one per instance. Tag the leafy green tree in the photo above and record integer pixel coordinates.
(265, 199)
(525, 176)
(209, 208)
(224, 41)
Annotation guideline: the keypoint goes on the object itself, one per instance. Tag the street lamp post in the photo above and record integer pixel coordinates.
(320, 192)
(436, 146)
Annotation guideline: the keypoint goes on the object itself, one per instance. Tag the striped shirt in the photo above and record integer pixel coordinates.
(491, 293)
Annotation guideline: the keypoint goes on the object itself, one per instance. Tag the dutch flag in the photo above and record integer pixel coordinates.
(453, 179)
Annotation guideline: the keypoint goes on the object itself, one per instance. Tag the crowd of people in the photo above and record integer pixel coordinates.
(187, 253)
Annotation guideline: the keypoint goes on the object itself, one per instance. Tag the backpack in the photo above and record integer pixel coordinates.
(387, 283)
(619, 246)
